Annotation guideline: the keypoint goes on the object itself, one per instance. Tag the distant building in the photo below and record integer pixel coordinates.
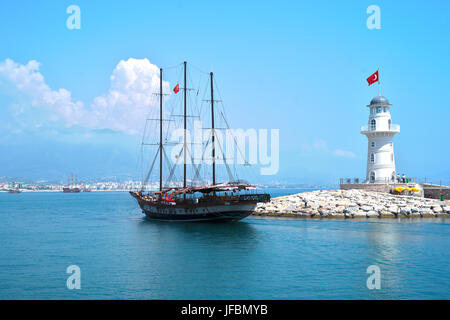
(379, 132)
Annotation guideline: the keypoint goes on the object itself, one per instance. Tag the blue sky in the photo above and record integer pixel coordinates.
(299, 66)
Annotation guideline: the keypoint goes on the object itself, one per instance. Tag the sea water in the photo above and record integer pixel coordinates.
(121, 255)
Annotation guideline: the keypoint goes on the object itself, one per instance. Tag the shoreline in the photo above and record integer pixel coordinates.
(60, 191)
(352, 204)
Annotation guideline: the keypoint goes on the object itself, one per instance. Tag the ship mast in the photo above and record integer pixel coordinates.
(160, 128)
(213, 133)
(185, 128)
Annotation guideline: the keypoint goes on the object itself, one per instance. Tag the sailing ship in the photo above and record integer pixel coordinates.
(227, 201)
(72, 187)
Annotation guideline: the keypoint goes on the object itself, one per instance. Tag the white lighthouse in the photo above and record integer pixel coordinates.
(380, 132)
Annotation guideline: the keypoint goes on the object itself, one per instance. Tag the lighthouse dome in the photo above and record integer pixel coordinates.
(379, 100)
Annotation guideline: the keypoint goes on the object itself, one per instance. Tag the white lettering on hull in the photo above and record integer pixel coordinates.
(201, 210)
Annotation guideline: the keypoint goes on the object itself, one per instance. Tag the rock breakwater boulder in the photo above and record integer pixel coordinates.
(352, 204)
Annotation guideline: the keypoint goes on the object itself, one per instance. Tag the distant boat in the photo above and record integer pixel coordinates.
(71, 190)
(71, 185)
(14, 191)
(226, 201)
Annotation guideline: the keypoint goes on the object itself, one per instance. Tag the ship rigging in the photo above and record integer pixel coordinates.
(200, 200)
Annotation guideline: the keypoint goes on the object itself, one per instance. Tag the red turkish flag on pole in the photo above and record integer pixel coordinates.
(177, 88)
(373, 78)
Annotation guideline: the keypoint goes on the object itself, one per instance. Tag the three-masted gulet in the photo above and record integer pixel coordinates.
(229, 201)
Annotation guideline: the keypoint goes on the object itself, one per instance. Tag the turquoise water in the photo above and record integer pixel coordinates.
(124, 256)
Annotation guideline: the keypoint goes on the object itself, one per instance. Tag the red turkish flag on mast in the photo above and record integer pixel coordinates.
(177, 88)
(373, 78)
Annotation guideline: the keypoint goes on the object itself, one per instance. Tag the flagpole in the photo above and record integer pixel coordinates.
(379, 83)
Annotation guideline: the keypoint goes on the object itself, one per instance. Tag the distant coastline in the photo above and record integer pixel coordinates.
(128, 186)
(60, 191)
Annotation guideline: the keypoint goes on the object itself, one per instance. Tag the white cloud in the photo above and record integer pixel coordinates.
(322, 147)
(131, 94)
(319, 145)
(343, 153)
(29, 81)
(124, 107)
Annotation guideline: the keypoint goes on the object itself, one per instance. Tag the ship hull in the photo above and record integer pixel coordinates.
(212, 213)
(220, 208)
(71, 190)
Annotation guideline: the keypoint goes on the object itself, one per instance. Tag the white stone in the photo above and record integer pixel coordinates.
(405, 211)
(393, 209)
(350, 209)
(425, 211)
(359, 213)
(345, 202)
(372, 213)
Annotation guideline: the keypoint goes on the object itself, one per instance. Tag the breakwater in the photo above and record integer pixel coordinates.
(352, 204)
